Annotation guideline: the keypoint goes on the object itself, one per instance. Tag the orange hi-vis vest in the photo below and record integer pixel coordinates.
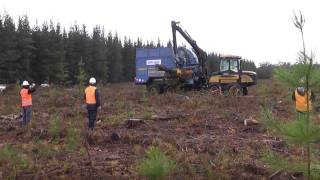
(301, 102)
(26, 98)
(90, 95)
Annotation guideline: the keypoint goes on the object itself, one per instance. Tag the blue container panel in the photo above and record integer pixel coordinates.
(152, 56)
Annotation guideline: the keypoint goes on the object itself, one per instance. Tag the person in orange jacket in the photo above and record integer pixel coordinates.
(26, 101)
(92, 99)
(300, 98)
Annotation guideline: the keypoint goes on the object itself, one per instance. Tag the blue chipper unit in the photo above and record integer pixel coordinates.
(160, 70)
(146, 61)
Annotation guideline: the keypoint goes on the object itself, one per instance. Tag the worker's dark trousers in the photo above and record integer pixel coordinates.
(92, 115)
(26, 115)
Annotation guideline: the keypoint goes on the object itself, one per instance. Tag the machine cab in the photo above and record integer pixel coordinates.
(230, 64)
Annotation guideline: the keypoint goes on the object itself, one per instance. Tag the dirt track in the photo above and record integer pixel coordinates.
(203, 133)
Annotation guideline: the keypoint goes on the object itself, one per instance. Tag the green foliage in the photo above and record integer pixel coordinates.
(302, 131)
(55, 126)
(82, 151)
(147, 114)
(157, 165)
(49, 53)
(278, 162)
(13, 160)
(41, 150)
(295, 165)
(73, 139)
(297, 132)
(292, 76)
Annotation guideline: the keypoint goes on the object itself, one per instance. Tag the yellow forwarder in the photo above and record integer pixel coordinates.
(231, 77)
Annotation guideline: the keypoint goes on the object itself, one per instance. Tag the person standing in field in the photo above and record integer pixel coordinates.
(26, 102)
(92, 99)
(300, 98)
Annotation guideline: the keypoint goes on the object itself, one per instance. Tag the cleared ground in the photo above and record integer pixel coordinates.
(203, 133)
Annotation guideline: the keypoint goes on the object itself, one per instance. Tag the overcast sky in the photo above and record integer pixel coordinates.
(260, 30)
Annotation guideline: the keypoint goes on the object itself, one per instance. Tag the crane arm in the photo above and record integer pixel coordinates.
(202, 55)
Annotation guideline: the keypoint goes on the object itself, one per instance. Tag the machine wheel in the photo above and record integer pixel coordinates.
(245, 91)
(170, 89)
(234, 90)
(215, 89)
(152, 89)
(161, 89)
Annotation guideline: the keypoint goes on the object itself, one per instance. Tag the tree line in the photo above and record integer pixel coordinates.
(50, 53)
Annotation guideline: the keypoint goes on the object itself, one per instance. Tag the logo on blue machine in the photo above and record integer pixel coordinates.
(153, 62)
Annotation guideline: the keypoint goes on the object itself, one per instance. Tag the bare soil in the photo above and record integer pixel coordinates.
(203, 133)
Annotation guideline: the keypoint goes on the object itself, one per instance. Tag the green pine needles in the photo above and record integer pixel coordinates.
(73, 139)
(156, 166)
(302, 132)
(54, 127)
(13, 161)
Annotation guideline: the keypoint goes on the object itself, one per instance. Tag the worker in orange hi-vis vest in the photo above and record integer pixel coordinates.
(26, 102)
(300, 98)
(92, 99)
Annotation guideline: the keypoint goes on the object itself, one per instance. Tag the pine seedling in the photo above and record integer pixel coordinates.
(301, 132)
(13, 160)
(157, 165)
(72, 139)
(41, 150)
(54, 127)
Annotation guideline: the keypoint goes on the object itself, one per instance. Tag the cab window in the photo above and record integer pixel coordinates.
(224, 65)
(234, 65)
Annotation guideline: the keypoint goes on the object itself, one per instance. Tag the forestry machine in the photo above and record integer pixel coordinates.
(178, 68)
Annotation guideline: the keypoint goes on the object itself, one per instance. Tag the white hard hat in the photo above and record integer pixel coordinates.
(92, 80)
(25, 83)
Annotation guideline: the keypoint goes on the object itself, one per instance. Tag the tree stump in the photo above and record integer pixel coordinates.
(132, 123)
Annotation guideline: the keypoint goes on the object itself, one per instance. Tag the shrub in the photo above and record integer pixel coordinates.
(156, 166)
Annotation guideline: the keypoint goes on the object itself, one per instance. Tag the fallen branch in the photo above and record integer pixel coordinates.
(275, 174)
(53, 169)
(176, 115)
(212, 164)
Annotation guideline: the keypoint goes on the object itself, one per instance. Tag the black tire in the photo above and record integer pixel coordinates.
(245, 91)
(161, 89)
(215, 89)
(234, 90)
(170, 89)
(152, 89)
